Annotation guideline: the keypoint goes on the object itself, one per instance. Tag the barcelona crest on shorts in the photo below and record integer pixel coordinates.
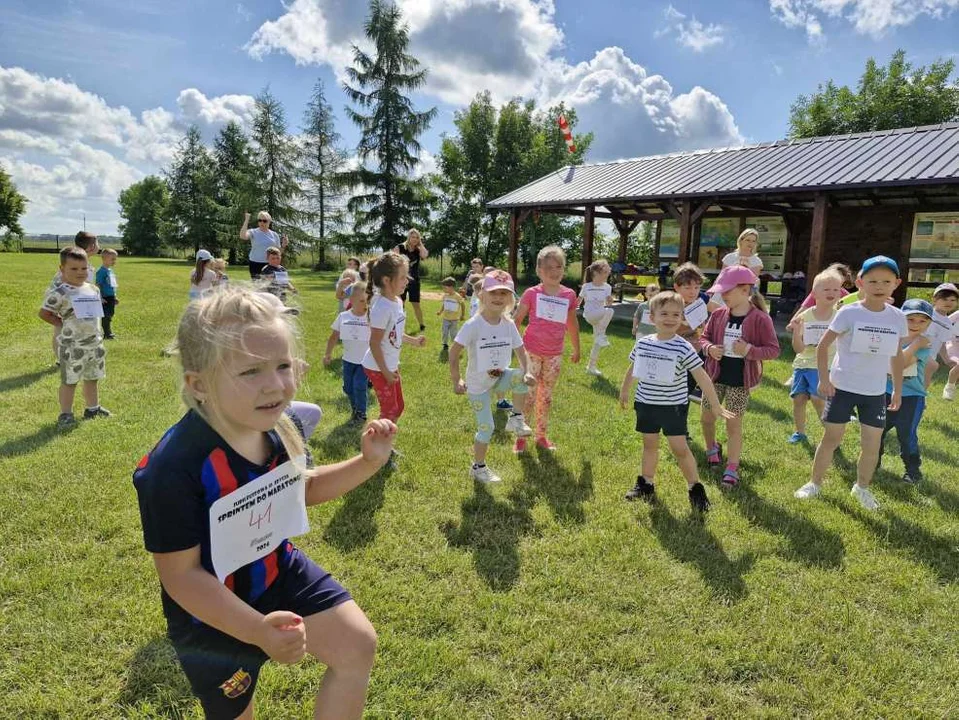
(238, 684)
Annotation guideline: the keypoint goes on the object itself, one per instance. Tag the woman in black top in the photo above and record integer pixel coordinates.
(414, 250)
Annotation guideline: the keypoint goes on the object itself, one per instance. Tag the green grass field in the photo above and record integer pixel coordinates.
(546, 596)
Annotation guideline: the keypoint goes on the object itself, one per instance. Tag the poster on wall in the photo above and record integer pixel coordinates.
(669, 240)
(717, 237)
(772, 242)
(935, 238)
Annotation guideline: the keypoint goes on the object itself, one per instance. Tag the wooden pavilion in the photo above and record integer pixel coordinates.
(836, 199)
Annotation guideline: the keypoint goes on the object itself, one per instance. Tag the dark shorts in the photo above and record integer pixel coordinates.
(871, 409)
(255, 267)
(109, 305)
(223, 670)
(412, 292)
(668, 419)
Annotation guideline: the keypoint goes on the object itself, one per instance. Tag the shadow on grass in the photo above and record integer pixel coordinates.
(443, 356)
(808, 543)
(934, 551)
(342, 442)
(491, 529)
(9, 384)
(155, 681)
(354, 523)
(546, 477)
(773, 412)
(33, 441)
(690, 542)
(605, 386)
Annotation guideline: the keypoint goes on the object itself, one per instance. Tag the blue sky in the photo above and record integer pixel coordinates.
(95, 93)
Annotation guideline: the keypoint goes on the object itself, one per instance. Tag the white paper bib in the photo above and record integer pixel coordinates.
(653, 367)
(253, 520)
(696, 313)
(281, 278)
(554, 309)
(86, 306)
(730, 337)
(450, 305)
(813, 331)
(358, 330)
(493, 354)
(874, 340)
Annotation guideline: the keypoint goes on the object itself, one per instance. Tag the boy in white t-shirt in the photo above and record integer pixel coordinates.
(868, 334)
(353, 328)
(661, 363)
(945, 300)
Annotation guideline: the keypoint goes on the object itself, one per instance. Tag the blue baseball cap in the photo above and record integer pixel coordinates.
(917, 307)
(879, 261)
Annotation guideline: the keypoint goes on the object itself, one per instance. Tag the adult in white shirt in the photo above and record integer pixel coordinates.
(261, 237)
(745, 253)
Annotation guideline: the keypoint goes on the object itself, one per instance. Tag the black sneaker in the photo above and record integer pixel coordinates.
(96, 412)
(422, 327)
(698, 499)
(66, 421)
(912, 477)
(111, 336)
(642, 490)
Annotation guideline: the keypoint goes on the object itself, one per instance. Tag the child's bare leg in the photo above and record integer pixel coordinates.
(684, 458)
(819, 404)
(650, 455)
(67, 393)
(870, 440)
(344, 640)
(479, 452)
(931, 367)
(708, 421)
(734, 440)
(91, 393)
(831, 439)
(799, 413)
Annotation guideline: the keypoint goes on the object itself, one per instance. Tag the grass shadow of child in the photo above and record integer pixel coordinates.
(546, 477)
(491, 529)
(155, 681)
(35, 440)
(353, 525)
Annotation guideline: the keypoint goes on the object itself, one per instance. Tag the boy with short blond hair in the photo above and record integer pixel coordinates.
(75, 307)
(106, 281)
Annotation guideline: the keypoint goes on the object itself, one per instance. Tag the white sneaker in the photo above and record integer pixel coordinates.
(593, 370)
(516, 424)
(864, 496)
(484, 474)
(949, 392)
(602, 341)
(809, 490)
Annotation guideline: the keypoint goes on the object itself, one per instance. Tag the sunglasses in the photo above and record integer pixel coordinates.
(262, 220)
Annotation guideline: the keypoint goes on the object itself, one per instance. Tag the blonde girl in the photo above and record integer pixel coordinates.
(491, 339)
(220, 495)
(344, 288)
(745, 253)
(390, 274)
(202, 279)
(219, 267)
(595, 296)
(737, 339)
(551, 311)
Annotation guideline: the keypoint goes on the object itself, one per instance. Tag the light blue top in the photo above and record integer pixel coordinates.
(260, 240)
(915, 385)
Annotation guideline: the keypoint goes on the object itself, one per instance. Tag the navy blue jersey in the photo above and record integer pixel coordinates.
(189, 469)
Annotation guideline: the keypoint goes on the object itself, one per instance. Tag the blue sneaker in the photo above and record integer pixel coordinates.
(504, 404)
(797, 437)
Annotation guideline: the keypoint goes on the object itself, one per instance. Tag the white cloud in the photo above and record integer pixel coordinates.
(634, 113)
(868, 17)
(691, 33)
(243, 12)
(70, 152)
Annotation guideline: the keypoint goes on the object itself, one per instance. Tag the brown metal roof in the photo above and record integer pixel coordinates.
(892, 158)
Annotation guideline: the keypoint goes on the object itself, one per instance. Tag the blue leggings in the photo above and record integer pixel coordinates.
(354, 385)
(510, 380)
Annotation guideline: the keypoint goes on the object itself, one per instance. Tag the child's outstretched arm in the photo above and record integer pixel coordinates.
(897, 365)
(415, 340)
(459, 387)
(799, 344)
(331, 481)
(709, 392)
(330, 344)
(626, 387)
(50, 317)
(281, 634)
(523, 360)
(522, 310)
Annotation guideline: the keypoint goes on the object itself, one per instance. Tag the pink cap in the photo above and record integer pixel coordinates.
(498, 280)
(732, 276)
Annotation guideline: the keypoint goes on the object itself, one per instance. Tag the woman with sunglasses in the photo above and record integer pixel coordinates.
(413, 250)
(261, 237)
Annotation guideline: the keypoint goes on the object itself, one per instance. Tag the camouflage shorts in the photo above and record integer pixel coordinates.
(81, 362)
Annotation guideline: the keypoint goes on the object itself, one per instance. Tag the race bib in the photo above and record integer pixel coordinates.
(253, 520)
(874, 340)
(281, 278)
(450, 306)
(355, 331)
(493, 355)
(812, 332)
(729, 341)
(653, 367)
(87, 306)
(696, 313)
(554, 309)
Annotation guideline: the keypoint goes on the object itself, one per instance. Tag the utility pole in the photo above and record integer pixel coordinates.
(84, 222)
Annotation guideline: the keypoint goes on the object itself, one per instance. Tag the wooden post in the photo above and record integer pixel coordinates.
(685, 231)
(905, 250)
(513, 241)
(657, 239)
(697, 238)
(588, 228)
(817, 239)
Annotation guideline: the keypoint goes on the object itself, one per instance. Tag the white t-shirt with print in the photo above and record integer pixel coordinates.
(595, 297)
(730, 259)
(354, 332)
(867, 342)
(388, 316)
(940, 331)
(490, 347)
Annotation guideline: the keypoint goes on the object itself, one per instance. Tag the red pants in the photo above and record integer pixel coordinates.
(389, 396)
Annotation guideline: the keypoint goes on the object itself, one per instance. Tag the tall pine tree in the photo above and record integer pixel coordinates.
(388, 199)
(276, 166)
(322, 162)
(236, 186)
(191, 213)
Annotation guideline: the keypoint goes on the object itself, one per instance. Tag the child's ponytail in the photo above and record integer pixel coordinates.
(758, 301)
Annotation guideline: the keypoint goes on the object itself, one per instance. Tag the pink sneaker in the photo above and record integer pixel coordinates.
(520, 445)
(545, 444)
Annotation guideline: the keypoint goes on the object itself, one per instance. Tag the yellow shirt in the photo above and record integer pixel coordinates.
(454, 306)
(813, 329)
